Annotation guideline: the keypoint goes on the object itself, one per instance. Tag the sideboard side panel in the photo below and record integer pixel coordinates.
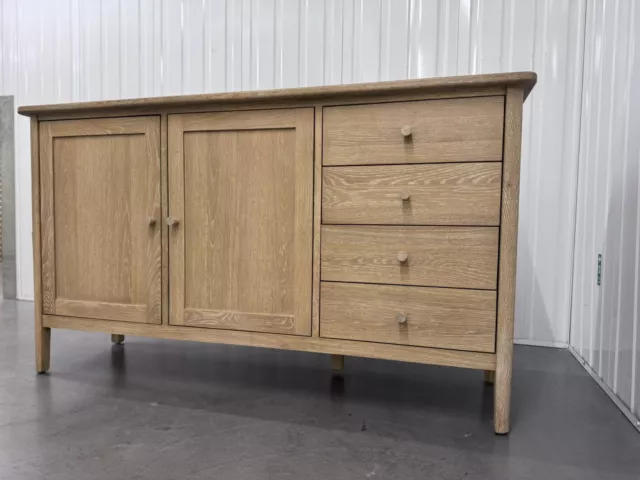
(508, 250)
(317, 216)
(43, 334)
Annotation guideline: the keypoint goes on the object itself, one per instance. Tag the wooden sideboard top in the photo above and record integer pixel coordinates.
(525, 80)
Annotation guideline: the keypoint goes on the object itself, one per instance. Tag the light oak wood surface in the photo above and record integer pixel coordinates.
(459, 257)
(124, 312)
(317, 220)
(508, 254)
(451, 194)
(460, 85)
(42, 334)
(403, 353)
(426, 317)
(101, 254)
(241, 194)
(448, 130)
(164, 200)
(374, 220)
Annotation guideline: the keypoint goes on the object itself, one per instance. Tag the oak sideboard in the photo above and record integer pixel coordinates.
(374, 220)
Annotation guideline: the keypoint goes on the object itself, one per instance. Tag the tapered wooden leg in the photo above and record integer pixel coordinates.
(43, 348)
(337, 362)
(508, 255)
(502, 399)
(489, 377)
(117, 339)
(43, 334)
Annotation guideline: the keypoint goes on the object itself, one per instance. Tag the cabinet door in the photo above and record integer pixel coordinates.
(241, 208)
(100, 182)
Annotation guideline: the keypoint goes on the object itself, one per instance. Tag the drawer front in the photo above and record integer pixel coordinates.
(429, 131)
(417, 316)
(458, 257)
(451, 194)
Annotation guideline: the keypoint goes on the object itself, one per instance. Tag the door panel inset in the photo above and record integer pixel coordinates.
(101, 252)
(241, 193)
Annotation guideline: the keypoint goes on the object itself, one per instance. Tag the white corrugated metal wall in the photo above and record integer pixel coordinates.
(73, 50)
(604, 328)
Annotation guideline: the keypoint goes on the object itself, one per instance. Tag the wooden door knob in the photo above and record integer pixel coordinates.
(405, 196)
(403, 257)
(172, 221)
(151, 221)
(406, 131)
(401, 318)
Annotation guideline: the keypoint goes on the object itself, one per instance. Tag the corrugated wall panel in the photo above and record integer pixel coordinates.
(73, 50)
(604, 317)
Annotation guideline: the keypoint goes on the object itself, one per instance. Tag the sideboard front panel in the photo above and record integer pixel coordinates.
(454, 257)
(429, 194)
(431, 131)
(241, 188)
(101, 242)
(416, 316)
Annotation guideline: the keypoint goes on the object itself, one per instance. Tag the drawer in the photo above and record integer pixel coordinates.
(451, 194)
(458, 257)
(429, 131)
(417, 316)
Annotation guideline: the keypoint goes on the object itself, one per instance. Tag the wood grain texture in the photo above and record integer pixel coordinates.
(450, 130)
(164, 213)
(458, 257)
(42, 334)
(247, 219)
(508, 253)
(434, 356)
(451, 194)
(101, 182)
(238, 172)
(337, 93)
(268, 104)
(250, 322)
(105, 310)
(435, 317)
(46, 204)
(317, 220)
(176, 197)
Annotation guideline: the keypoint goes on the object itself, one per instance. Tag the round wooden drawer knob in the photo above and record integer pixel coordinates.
(406, 131)
(403, 257)
(151, 221)
(405, 196)
(401, 318)
(172, 221)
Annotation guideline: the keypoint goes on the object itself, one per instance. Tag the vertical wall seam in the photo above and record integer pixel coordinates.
(2, 59)
(577, 174)
(409, 36)
(205, 87)
(587, 330)
(534, 249)
(471, 61)
(607, 198)
(627, 103)
(592, 312)
(140, 56)
(379, 74)
(120, 55)
(634, 341)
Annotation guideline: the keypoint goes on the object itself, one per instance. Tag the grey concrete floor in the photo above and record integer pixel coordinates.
(179, 410)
